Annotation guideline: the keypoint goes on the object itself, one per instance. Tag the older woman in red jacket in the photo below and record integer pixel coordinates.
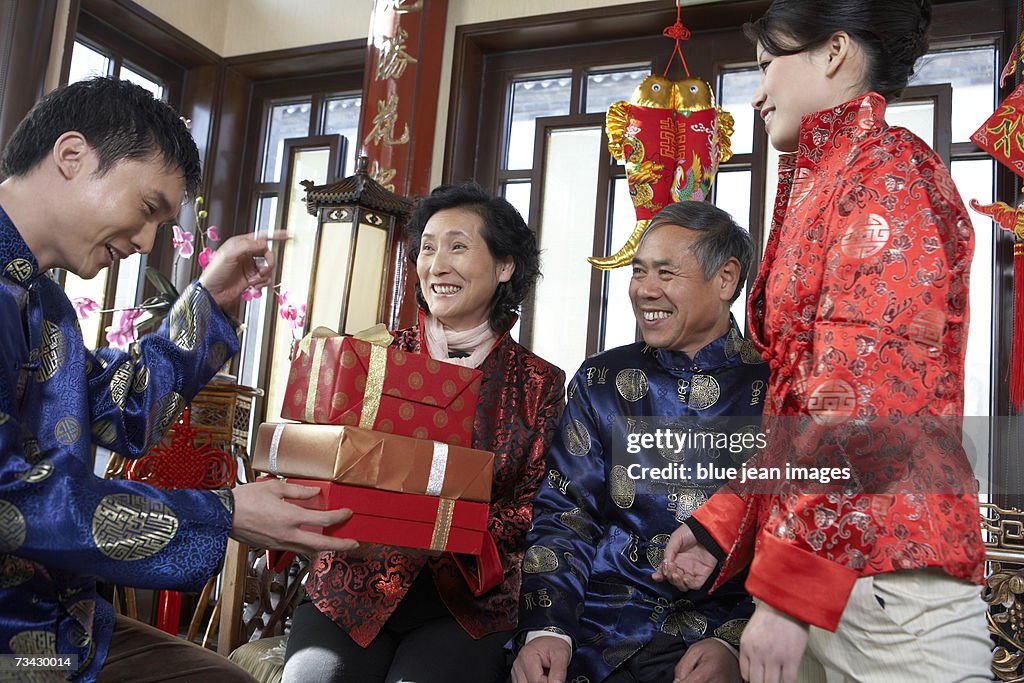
(392, 614)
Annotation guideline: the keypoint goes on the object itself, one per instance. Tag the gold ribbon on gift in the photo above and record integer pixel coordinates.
(379, 339)
(443, 523)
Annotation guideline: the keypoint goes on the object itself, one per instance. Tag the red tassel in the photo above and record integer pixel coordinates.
(1017, 353)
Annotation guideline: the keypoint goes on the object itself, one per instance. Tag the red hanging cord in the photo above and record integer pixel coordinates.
(679, 33)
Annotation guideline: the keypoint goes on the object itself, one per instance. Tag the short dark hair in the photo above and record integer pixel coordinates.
(721, 240)
(505, 233)
(119, 120)
(892, 33)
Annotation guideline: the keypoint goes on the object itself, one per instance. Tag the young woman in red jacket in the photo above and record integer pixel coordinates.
(860, 308)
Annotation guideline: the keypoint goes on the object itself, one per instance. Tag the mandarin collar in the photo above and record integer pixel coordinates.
(16, 261)
(852, 118)
(722, 352)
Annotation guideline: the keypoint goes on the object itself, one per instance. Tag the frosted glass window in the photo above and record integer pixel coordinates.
(290, 120)
(972, 73)
(620, 323)
(341, 117)
(518, 195)
(734, 96)
(532, 99)
(561, 307)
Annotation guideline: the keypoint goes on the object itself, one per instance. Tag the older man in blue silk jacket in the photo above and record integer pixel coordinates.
(649, 432)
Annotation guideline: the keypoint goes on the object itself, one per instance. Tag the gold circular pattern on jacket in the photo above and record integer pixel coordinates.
(52, 352)
(579, 521)
(126, 526)
(670, 625)
(15, 571)
(689, 499)
(18, 269)
(12, 527)
(832, 398)
(632, 384)
(621, 487)
(4, 417)
(731, 631)
(576, 438)
(163, 413)
(704, 392)
(104, 432)
(749, 353)
(67, 430)
(620, 652)
(33, 643)
(120, 384)
(693, 620)
(141, 379)
(866, 237)
(539, 559)
(37, 472)
(226, 499)
(656, 550)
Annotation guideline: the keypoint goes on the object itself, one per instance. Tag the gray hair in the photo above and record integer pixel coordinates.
(721, 240)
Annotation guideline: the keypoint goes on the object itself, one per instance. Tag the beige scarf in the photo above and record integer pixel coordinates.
(477, 342)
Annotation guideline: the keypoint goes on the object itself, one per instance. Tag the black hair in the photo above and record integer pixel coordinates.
(505, 233)
(119, 120)
(721, 240)
(892, 33)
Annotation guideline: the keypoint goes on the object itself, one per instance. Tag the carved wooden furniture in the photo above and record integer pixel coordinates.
(1004, 587)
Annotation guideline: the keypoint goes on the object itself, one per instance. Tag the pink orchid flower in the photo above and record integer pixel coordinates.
(122, 333)
(84, 307)
(204, 257)
(295, 315)
(182, 241)
(212, 234)
(252, 293)
(187, 122)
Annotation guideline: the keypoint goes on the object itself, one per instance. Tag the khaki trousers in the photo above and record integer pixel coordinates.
(919, 625)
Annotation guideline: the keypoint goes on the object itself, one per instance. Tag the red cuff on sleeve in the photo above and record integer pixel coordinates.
(801, 584)
(722, 515)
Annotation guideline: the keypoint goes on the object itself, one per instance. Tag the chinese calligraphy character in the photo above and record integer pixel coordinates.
(384, 124)
(392, 59)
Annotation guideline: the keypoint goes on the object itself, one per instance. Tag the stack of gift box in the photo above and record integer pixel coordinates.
(385, 433)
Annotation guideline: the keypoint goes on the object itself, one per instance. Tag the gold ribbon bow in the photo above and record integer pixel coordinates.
(379, 339)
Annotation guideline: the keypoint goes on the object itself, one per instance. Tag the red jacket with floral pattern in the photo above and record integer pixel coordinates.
(861, 310)
(521, 401)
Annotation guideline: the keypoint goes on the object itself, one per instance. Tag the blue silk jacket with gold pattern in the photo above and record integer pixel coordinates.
(601, 523)
(861, 310)
(61, 527)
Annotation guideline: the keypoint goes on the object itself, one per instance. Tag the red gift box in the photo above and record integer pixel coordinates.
(352, 381)
(402, 519)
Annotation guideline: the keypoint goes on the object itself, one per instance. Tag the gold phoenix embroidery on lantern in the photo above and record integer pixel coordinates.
(130, 527)
(12, 527)
(120, 384)
(622, 487)
(631, 384)
(19, 270)
(14, 571)
(52, 352)
(539, 560)
(392, 59)
(384, 124)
